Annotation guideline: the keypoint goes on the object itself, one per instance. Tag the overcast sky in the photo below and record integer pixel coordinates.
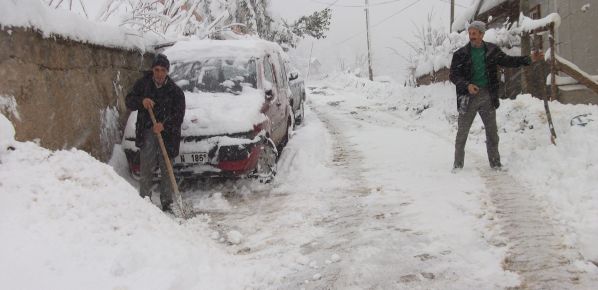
(390, 20)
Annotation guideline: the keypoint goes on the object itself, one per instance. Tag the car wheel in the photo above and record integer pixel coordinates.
(265, 169)
(299, 115)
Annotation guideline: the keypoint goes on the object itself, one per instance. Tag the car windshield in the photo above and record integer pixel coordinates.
(215, 75)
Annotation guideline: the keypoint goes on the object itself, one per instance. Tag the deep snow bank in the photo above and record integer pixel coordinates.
(75, 224)
(564, 175)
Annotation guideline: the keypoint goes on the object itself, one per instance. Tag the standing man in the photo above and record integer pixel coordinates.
(158, 92)
(474, 73)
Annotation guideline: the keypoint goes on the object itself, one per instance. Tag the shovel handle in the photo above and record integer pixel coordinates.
(175, 188)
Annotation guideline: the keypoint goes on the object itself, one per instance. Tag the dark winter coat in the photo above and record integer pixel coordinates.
(461, 72)
(169, 109)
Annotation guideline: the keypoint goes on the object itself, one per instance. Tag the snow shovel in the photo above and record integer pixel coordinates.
(175, 189)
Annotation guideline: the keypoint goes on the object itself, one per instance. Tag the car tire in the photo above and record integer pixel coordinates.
(265, 169)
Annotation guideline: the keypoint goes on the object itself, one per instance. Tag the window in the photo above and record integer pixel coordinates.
(269, 80)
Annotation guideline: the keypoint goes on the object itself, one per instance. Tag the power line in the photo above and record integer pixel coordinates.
(456, 4)
(332, 4)
(354, 6)
(380, 22)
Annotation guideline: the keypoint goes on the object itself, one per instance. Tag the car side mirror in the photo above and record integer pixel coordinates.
(269, 95)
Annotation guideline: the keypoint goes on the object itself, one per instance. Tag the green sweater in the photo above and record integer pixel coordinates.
(478, 59)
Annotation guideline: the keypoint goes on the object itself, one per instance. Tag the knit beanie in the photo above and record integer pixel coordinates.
(161, 60)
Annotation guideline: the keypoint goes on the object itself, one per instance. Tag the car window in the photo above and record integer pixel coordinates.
(226, 75)
(278, 72)
(270, 78)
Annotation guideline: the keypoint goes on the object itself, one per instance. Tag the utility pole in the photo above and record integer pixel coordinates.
(452, 15)
(367, 24)
(525, 49)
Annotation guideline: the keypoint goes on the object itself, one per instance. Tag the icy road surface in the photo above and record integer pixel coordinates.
(365, 199)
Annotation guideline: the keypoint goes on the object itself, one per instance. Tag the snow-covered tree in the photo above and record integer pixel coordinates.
(201, 18)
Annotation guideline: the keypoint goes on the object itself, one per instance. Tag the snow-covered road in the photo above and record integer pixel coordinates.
(366, 200)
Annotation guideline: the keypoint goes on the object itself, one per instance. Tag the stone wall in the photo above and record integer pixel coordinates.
(68, 94)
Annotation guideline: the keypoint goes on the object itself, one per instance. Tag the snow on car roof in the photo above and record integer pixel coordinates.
(192, 50)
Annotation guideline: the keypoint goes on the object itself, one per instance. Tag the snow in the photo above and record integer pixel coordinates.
(8, 105)
(525, 23)
(234, 237)
(33, 14)
(573, 66)
(221, 113)
(528, 24)
(435, 58)
(78, 224)
(462, 20)
(7, 134)
(364, 197)
(191, 50)
(562, 175)
(564, 80)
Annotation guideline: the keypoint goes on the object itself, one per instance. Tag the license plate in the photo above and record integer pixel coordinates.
(193, 158)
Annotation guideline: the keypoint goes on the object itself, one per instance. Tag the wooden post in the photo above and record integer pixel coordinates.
(553, 88)
(525, 49)
(578, 76)
(452, 15)
(367, 24)
(553, 65)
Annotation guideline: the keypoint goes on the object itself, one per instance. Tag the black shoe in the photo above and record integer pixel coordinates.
(167, 207)
(457, 165)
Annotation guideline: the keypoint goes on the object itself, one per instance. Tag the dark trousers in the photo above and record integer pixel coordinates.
(478, 104)
(150, 155)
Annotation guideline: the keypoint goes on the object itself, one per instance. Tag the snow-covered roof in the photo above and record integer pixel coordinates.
(37, 15)
(245, 48)
(462, 20)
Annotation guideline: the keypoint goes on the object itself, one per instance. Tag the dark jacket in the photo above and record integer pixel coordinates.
(169, 109)
(462, 69)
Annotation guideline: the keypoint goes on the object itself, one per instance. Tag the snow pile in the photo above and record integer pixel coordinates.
(527, 24)
(564, 175)
(8, 105)
(192, 50)
(50, 22)
(7, 134)
(78, 225)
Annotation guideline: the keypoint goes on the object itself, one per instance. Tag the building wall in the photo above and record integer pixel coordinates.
(577, 39)
(68, 94)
